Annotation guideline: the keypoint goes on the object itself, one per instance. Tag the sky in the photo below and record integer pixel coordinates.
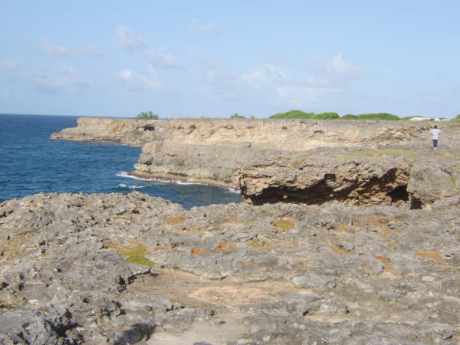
(216, 58)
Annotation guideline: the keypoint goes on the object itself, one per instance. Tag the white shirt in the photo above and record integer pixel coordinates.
(435, 133)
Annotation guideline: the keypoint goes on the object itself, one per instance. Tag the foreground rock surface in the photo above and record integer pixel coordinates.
(311, 162)
(131, 269)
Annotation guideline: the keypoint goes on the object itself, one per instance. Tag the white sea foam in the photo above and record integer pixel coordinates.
(127, 175)
(136, 187)
(122, 185)
(182, 183)
(234, 190)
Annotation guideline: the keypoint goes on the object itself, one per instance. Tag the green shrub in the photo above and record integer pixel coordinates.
(147, 115)
(327, 116)
(299, 114)
(237, 116)
(294, 114)
(377, 116)
(350, 117)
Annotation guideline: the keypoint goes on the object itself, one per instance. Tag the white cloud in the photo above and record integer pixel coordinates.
(8, 65)
(156, 58)
(48, 84)
(135, 81)
(202, 26)
(63, 79)
(298, 95)
(58, 50)
(264, 75)
(300, 87)
(162, 59)
(129, 39)
(125, 75)
(339, 67)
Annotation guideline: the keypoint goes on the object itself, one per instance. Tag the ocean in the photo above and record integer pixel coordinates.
(32, 163)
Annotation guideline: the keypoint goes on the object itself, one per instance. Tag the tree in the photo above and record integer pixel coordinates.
(148, 115)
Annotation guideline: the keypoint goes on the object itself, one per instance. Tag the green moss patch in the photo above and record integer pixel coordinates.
(134, 253)
(283, 224)
(140, 260)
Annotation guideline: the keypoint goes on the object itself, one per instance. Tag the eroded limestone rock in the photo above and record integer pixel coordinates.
(125, 269)
(312, 162)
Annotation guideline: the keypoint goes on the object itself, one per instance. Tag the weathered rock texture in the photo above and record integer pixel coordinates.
(295, 161)
(291, 135)
(131, 269)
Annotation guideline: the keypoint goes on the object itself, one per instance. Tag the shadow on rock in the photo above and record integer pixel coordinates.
(138, 332)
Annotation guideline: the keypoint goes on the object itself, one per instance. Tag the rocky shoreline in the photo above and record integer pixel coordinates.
(312, 162)
(350, 236)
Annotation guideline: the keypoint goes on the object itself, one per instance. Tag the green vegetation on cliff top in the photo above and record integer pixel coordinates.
(148, 115)
(237, 116)
(299, 114)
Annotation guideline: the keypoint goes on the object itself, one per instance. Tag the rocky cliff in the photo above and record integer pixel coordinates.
(371, 162)
(131, 269)
(291, 135)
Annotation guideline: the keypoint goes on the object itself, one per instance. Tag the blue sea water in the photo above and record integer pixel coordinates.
(31, 163)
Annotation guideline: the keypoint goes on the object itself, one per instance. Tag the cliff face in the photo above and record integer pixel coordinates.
(269, 134)
(295, 161)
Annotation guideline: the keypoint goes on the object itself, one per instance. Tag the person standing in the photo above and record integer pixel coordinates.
(435, 132)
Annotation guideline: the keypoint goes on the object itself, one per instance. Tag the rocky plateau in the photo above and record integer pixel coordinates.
(351, 235)
(132, 269)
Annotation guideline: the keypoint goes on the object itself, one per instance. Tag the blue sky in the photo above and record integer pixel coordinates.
(215, 58)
